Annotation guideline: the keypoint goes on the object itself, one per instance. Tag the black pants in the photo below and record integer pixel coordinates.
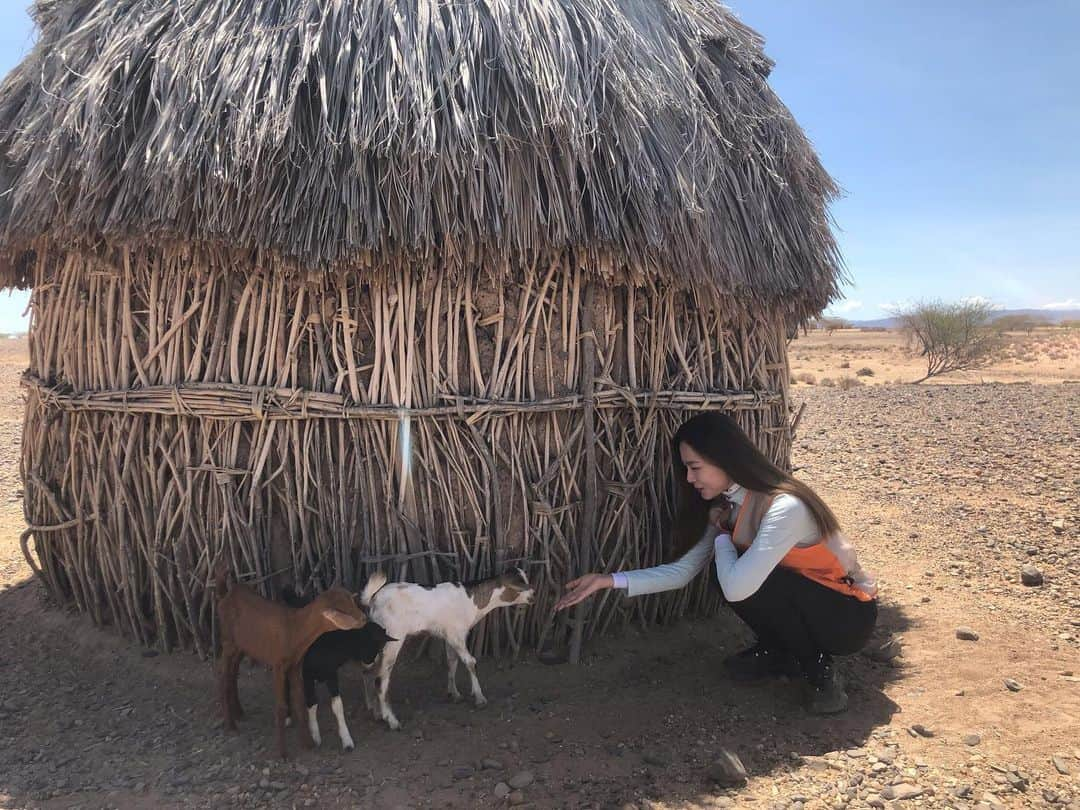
(792, 613)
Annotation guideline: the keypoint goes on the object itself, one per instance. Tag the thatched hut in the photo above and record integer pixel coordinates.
(323, 286)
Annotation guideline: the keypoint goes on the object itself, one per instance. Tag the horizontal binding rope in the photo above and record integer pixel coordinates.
(257, 403)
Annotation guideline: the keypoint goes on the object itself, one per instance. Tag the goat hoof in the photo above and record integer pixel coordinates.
(481, 702)
(288, 722)
(455, 697)
(347, 748)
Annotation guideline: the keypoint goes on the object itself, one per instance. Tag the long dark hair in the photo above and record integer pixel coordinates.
(718, 439)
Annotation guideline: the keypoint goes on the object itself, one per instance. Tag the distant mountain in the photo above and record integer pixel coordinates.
(1051, 316)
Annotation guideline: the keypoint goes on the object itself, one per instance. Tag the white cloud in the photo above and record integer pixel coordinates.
(1071, 303)
(850, 305)
(894, 306)
(983, 300)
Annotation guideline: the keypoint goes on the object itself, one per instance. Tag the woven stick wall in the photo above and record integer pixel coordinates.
(184, 404)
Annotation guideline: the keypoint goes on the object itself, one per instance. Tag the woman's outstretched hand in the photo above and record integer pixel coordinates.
(582, 588)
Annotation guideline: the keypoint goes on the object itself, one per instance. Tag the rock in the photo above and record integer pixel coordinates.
(1061, 765)
(966, 634)
(502, 790)
(1017, 780)
(902, 791)
(516, 798)
(1058, 526)
(521, 779)
(1031, 576)
(727, 769)
(491, 765)
(1012, 685)
(922, 730)
(658, 758)
(885, 652)
(462, 772)
(972, 739)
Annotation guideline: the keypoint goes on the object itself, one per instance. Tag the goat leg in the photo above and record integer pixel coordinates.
(296, 702)
(311, 700)
(339, 711)
(382, 682)
(451, 673)
(281, 696)
(470, 664)
(234, 687)
(225, 668)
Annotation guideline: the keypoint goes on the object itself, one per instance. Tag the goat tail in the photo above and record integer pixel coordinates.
(374, 585)
(221, 579)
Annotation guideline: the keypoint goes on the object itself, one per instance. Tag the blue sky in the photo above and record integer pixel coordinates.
(952, 127)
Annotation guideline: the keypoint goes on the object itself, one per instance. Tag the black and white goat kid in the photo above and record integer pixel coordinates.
(323, 660)
(448, 610)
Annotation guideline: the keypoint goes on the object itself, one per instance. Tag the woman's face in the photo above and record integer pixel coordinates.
(704, 476)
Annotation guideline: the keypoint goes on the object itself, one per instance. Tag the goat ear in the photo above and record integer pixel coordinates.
(342, 621)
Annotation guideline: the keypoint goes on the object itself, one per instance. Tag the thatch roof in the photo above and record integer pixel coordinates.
(337, 130)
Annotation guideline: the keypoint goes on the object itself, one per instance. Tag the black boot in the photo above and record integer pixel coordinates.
(824, 690)
(760, 662)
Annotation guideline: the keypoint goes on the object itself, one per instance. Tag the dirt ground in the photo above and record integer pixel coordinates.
(1047, 355)
(948, 491)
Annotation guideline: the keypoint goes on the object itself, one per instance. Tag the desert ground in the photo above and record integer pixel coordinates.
(948, 489)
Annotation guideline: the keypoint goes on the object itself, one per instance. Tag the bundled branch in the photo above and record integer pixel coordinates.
(183, 405)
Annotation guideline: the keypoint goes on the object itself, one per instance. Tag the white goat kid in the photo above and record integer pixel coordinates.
(448, 610)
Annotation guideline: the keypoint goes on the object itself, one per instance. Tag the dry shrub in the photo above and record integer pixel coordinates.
(845, 364)
(828, 382)
(864, 372)
(847, 383)
(807, 378)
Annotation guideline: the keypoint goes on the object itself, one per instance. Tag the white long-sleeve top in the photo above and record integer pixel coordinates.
(787, 523)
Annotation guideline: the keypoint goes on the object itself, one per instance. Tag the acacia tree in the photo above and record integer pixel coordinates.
(952, 337)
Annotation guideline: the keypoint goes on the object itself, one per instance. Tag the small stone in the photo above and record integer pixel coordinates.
(902, 791)
(491, 765)
(462, 772)
(727, 769)
(922, 730)
(1012, 685)
(516, 798)
(1017, 780)
(885, 652)
(521, 779)
(1058, 526)
(966, 634)
(972, 739)
(502, 790)
(149, 653)
(1031, 576)
(1060, 764)
(657, 758)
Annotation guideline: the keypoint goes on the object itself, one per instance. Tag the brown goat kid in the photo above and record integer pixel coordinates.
(277, 636)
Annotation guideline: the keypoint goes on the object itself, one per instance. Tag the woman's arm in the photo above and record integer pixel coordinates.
(644, 580)
(787, 524)
(670, 576)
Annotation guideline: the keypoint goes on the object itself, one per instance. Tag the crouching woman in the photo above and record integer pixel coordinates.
(783, 565)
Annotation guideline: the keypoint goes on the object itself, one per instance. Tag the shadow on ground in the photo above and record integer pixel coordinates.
(88, 718)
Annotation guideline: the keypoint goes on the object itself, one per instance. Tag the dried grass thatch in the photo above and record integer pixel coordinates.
(324, 286)
(455, 133)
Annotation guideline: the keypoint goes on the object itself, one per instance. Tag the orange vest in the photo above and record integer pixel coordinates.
(820, 562)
